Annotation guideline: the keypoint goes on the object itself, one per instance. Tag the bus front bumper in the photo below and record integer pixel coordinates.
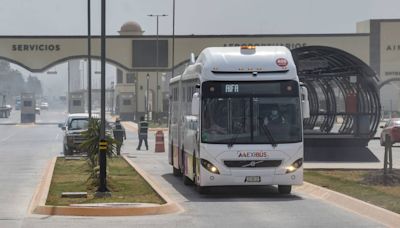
(241, 177)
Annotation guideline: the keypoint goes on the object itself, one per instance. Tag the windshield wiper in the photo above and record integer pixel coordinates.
(230, 144)
(269, 135)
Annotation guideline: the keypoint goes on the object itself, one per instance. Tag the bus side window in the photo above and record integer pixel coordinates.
(193, 124)
(185, 125)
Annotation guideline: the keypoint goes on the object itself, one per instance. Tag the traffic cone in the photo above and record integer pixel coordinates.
(159, 142)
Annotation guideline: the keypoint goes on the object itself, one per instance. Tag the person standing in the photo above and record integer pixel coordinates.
(143, 128)
(119, 134)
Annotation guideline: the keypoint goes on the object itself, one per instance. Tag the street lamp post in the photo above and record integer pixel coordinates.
(173, 39)
(157, 87)
(147, 96)
(68, 89)
(82, 72)
(112, 98)
(89, 63)
(102, 190)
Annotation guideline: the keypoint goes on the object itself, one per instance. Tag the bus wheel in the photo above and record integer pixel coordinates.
(284, 189)
(68, 151)
(186, 180)
(176, 171)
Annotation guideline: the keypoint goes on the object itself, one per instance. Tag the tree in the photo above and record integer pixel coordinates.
(33, 85)
(12, 82)
(91, 146)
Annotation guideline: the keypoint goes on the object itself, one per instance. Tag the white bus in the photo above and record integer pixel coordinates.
(236, 119)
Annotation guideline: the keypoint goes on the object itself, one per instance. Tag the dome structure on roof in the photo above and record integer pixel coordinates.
(131, 28)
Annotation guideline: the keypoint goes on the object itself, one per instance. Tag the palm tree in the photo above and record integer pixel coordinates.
(91, 146)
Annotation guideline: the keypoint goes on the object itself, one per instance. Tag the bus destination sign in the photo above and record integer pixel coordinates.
(231, 88)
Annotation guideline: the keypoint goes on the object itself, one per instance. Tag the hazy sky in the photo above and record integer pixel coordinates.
(68, 17)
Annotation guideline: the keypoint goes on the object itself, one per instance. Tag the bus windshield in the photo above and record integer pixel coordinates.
(256, 116)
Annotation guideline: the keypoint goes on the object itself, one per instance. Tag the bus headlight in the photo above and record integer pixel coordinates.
(209, 166)
(294, 166)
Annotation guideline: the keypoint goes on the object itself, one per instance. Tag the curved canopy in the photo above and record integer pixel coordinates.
(343, 92)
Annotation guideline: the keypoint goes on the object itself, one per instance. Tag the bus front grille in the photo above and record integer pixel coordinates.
(253, 163)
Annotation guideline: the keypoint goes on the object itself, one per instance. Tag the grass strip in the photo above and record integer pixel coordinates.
(125, 184)
(352, 183)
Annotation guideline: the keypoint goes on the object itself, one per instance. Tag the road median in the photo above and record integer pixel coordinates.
(38, 203)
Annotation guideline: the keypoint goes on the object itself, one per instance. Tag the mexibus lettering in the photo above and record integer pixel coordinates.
(258, 154)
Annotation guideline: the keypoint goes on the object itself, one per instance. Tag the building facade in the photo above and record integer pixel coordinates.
(143, 70)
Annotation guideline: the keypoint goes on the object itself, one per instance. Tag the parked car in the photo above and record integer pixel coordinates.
(37, 110)
(391, 131)
(73, 127)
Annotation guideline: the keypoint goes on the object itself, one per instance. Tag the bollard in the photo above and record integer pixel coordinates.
(159, 142)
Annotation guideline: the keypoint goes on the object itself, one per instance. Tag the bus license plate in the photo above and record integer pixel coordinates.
(253, 179)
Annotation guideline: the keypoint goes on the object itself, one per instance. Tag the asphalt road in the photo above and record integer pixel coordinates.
(25, 149)
(45, 117)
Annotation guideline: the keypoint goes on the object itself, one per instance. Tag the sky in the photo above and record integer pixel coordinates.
(69, 17)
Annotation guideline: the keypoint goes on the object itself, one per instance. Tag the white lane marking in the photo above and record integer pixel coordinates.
(6, 138)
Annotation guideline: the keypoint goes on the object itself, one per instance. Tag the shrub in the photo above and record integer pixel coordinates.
(91, 146)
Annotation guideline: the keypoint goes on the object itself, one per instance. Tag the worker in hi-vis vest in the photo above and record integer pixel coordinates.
(119, 134)
(143, 128)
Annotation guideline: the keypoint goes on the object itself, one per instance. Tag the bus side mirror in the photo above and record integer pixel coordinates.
(195, 104)
(192, 59)
(305, 104)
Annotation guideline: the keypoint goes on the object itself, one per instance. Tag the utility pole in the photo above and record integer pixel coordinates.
(102, 191)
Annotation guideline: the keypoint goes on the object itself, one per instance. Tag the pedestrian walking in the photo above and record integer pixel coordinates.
(119, 135)
(143, 128)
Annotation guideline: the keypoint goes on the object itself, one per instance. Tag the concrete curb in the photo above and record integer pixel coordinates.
(378, 214)
(40, 195)
(38, 203)
(153, 184)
